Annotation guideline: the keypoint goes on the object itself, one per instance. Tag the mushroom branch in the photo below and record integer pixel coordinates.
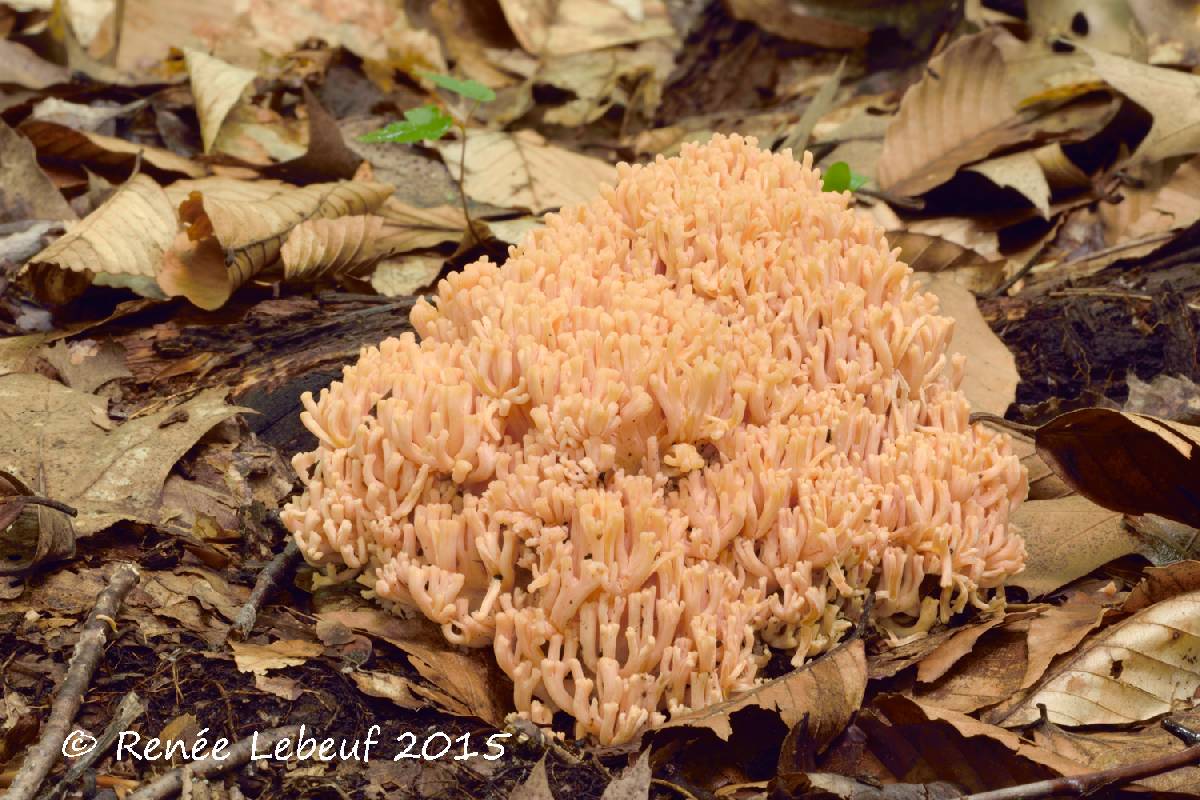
(701, 417)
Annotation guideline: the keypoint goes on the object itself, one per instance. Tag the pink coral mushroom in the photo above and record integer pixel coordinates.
(705, 414)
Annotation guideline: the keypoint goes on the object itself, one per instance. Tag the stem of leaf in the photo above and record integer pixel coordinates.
(462, 172)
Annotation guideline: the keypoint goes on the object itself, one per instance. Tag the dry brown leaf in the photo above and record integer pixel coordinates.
(1138, 669)
(598, 80)
(1058, 629)
(826, 691)
(20, 66)
(320, 248)
(424, 227)
(467, 682)
(900, 709)
(968, 106)
(42, 534)
(1102, 750)
(127, 235)
(45, 428)
(521, 170)
(230, 240)
(27, 192)
(1175, 205)
(259, 658)
(798, 24)
(1132, 463)
(986, 675)
(85, 364)
(217, 87)
(1066, 538)
(59, 144)
(556, 29)
(1168, 95)
(396, 688)
(408, 275)
(990, 378)
(1021, 172)
(939, 661)
(1163, 583)
(633, 783)
(536, 785)
(1174, 397)
(926, 253)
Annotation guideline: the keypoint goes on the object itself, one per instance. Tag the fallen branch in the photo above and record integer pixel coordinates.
(88, 650)
(1083, 785)
(129, 709)
(171, 783)
(280, 567)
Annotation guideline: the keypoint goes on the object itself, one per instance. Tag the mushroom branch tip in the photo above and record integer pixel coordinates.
(698, 418)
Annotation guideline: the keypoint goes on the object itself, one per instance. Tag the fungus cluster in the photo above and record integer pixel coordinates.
(700, 417)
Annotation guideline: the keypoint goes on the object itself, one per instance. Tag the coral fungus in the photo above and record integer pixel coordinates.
(705, 414)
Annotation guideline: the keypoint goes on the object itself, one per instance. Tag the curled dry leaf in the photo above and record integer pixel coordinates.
(520, 170)
(467, 682)
(939, 661)
(966, 107)
(1168, 95)
(59, 144)
(416, 228)
(1021, 172)
(1163, 583)
(352, 246)
(127, 235)
(231, 239)
(1058, 629)
(28, 192)
(1132, 463)
(985, 675)
(1136, 670)
(54, 537)
(217, 87)
(331, 247)
(826, 691)
(557, 29)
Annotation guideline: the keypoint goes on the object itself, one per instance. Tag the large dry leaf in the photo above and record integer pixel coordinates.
(520, 170)
(990, 378)
(1174, 205)
(1020, 172)
(217, 87)
(562, 28)
(423, 228)
(467, 682)
(231, 239)
(127, 235)
(1127, 462)
(107, 476)
(1058, 629)
(1168, 95)
(967, 106)
(826, 692)
(1135, 670)
(27, 193)
(1102, 750)
(59, 144)
(21, 66)
(986, 675)
(347, 246)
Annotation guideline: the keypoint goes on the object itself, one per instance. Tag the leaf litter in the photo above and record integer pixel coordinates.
(196, 230)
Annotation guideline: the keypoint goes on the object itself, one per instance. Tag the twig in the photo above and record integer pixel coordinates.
(34, 500)
(280, 567)
(129, 709)
(88, 651)
(462, 172)
(171, 783)
(1082, 785)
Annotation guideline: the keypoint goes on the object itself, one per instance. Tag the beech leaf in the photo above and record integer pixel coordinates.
(217, 87)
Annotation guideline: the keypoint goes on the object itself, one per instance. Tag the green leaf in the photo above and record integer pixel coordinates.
(427, 123)
(472, 90)
(840, 178)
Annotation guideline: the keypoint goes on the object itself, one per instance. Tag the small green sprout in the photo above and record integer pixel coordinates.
(840, 178)
(430, 123)
(427, 123)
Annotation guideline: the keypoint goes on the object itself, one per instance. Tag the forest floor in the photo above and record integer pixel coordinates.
(193, 233)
